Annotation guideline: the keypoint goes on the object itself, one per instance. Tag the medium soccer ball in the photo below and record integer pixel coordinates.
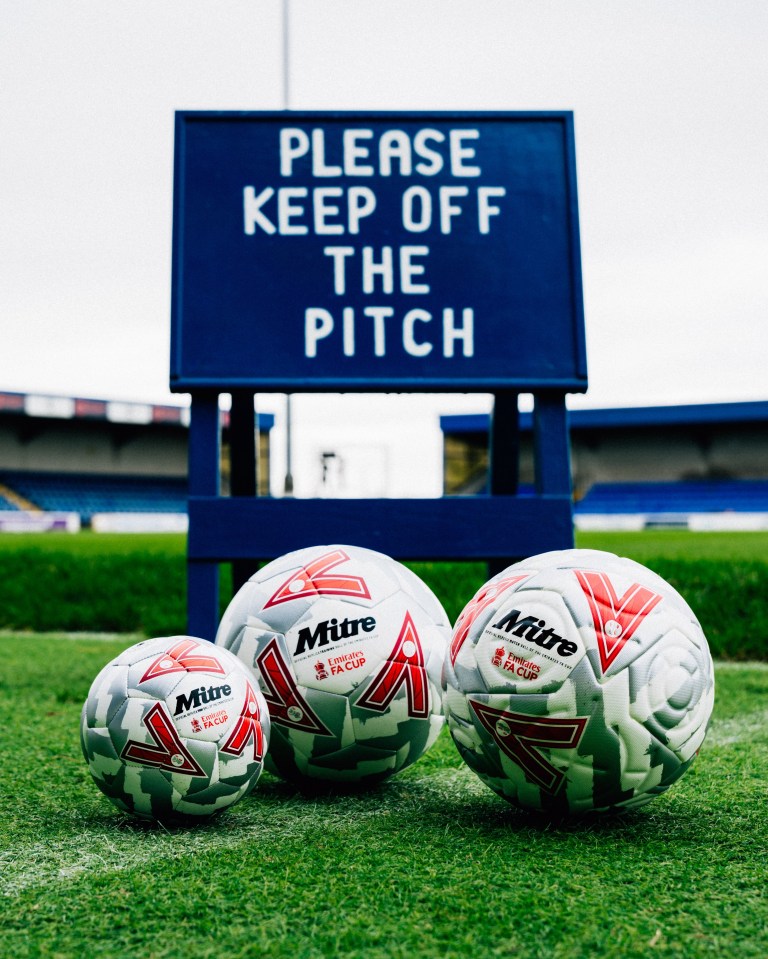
(578, 681)
(348, 645)
(174, 728)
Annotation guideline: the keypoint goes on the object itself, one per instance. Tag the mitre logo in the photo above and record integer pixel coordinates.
(200, 697)
(331, 631)
(535, 631)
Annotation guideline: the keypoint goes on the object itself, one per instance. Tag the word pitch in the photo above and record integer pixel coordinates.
(456, 333)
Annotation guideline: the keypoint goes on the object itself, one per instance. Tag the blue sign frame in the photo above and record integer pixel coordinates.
(376, 251)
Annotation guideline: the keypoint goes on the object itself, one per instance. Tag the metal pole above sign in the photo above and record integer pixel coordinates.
(288, 481)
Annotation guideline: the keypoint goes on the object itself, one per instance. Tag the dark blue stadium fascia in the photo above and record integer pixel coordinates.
(697, 414)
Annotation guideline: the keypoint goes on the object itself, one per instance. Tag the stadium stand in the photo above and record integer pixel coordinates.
(105, 463)
(88, 494)
(648, 466)
(703, 496)
(655, 464)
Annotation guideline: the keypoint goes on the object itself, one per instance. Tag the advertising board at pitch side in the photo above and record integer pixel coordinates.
(403, 251)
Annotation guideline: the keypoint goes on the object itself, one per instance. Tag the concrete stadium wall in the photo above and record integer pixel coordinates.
(604, 449)
(679, 453)
(76, 446)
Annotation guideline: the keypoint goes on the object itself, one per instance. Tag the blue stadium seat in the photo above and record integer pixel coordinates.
(702, 496)
(87, 493)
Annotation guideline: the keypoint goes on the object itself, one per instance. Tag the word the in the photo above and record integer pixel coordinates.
(381, 266)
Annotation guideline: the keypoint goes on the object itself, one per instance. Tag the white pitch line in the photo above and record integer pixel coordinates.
(41, 864)
(128, 639)
(738, 729)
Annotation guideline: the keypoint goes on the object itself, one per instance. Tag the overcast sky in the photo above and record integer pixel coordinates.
(671, 114)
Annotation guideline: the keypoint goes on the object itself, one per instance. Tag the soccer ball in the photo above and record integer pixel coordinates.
(348, 645)
(578, 681)
(174, 728)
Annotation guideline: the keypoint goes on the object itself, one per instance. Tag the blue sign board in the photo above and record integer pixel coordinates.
(376, 251)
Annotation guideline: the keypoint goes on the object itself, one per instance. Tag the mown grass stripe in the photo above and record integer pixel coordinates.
(137, 583)
(133, 845)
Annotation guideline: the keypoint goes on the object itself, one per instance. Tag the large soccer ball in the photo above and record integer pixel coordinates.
(578, 681)
(348, 645)
(174, 728)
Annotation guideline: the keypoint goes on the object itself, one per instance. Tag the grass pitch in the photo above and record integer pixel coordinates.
(430, 864)
(136, 583)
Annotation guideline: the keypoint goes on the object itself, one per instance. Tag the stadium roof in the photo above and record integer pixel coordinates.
(699, 414)
(114, 411)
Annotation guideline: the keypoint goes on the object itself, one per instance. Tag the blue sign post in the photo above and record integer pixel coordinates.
(375, 252)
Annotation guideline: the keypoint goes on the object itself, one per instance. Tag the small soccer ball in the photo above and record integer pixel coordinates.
(578, 681)
(174, 728)
(348, 645)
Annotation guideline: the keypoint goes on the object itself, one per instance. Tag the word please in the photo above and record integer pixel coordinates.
(362, 157)
(319, 324)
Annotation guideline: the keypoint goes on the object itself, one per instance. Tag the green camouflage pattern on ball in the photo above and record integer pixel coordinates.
(578, 681)
(174, 728)
(348, 645)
